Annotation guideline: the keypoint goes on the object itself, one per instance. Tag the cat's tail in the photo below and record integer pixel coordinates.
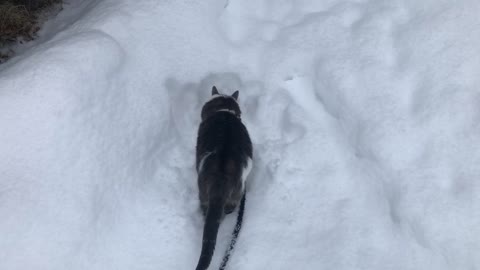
(210, 231)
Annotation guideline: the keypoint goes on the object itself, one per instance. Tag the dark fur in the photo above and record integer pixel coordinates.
(225, 141)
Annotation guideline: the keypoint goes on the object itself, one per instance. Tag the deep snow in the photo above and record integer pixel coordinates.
(364, 116)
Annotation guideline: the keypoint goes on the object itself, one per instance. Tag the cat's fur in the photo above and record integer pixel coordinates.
(223, 161)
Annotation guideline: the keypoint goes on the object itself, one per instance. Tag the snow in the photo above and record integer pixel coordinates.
(364, 116)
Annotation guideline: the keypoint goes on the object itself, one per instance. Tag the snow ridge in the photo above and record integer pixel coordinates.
(364, 115)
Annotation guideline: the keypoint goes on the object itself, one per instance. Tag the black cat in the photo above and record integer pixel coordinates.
(223, 162)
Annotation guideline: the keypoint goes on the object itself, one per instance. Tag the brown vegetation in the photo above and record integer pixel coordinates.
(19, 22)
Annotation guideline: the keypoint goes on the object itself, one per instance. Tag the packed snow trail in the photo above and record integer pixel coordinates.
(364, 115)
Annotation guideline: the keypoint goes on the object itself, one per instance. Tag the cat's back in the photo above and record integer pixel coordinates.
(224, 135)
(221, 131)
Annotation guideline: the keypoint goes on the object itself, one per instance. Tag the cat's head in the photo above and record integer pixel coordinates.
(219, 102)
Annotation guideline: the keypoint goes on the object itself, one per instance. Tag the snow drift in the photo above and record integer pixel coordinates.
(364, 116)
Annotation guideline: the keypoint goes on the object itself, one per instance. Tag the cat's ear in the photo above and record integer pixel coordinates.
(235, 95)
(215, 91)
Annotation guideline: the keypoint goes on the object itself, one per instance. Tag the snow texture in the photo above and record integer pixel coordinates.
(365, 118)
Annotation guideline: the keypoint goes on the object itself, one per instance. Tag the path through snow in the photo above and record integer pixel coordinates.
(364, 116)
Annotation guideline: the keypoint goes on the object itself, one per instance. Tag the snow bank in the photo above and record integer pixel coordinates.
(363, 114)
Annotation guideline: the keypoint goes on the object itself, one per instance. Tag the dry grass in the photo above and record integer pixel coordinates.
(15, 22)
(19, 22)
